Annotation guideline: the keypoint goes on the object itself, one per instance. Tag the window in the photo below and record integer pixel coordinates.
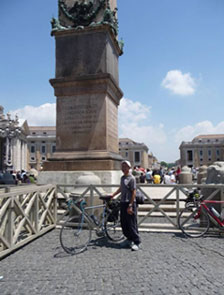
(201, 153)
(33, 133)
(43, 149)
(32, 149)
(32, 159)
(189, 155)
(44, 133)
(43, 158)
(53, 148)
(137, 157)
(126, 154)
(209, 153)
(217, 153)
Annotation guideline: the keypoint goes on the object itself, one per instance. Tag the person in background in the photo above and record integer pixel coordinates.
(166, 179)
(172, 178)
(148, 176)
(142, 178)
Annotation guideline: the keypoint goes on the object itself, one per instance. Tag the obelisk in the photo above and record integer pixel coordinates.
(86, 85)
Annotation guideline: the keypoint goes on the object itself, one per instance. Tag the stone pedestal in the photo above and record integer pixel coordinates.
(215, 175)
(88, 95)
(71, 178)
(185, 177)
(84, 180)
(202, 174)
(87, 100)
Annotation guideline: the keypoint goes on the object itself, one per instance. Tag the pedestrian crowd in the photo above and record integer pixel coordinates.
(17, 177)
(156, 176)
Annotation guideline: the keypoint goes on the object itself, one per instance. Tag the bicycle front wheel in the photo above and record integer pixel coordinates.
(113, 228)
(75, 234)
(191, 224)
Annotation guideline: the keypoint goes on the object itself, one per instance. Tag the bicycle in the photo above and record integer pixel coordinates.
(195, 219)
(76, 231)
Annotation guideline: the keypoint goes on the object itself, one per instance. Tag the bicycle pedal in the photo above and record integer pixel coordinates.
(100, 233)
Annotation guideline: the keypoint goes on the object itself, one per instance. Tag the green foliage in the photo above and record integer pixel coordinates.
(170, 165)
(163, 164)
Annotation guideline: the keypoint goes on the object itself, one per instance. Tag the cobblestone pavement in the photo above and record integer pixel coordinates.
(166, 264)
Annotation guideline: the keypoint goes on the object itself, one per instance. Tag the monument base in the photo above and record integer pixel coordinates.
(83, 161)
(71, 177)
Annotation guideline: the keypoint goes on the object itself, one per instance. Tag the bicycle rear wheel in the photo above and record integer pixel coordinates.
(191, 224)
(113, 228)
(75, 234)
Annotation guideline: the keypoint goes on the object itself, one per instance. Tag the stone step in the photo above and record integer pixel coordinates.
(156, 214)
(165, 207)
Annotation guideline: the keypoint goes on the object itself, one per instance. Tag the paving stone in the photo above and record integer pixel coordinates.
(166, 264)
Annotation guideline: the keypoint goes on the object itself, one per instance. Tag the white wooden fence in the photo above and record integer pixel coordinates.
(28, 212)
(161, 201)
(25, 214)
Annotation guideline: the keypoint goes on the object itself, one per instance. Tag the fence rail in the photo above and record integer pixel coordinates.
(157, 198)
(28, 212)
(25, 214)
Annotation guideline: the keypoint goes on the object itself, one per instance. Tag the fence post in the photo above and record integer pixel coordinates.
(7, 189)
(91, 197)
(36, 212)
(10, 223)
(178, 203)
(55, 203)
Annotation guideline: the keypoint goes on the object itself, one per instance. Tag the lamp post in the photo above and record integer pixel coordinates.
(8, 133)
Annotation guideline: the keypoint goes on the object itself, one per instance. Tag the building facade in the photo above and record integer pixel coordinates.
(136, 153)
(41, 145)
(202, 150)
(13, 143)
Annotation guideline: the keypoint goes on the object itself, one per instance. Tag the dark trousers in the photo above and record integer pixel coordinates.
(129, 223)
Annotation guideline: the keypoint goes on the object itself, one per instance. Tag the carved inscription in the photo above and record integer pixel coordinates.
(80, 118)
(112, 121)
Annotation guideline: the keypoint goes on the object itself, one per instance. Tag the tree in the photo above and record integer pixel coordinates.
(164, 164)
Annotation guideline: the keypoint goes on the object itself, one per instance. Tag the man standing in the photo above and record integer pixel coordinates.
(128, 207)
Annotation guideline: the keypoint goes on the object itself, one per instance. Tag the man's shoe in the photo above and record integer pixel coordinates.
(125, 244)
(135, 247)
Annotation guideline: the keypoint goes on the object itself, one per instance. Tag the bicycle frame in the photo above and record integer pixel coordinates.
(217, 221)
(85, 216)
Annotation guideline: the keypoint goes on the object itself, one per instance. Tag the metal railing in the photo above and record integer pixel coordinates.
(25, 214)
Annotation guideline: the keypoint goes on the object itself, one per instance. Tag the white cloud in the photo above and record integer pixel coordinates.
(134, 124)
(187, 133)
(130, 111)
(179, 83)
(43, 115)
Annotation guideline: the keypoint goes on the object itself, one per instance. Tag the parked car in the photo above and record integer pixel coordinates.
(7, 178)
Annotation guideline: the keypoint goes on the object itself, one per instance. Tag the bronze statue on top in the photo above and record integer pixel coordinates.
(83, 14)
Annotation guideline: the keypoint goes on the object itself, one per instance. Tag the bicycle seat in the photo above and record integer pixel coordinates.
(105, 198)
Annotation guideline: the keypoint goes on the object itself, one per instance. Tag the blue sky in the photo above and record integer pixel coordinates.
(171, 72)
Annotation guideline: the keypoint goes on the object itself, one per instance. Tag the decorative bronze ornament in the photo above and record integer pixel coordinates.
(84, 14)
